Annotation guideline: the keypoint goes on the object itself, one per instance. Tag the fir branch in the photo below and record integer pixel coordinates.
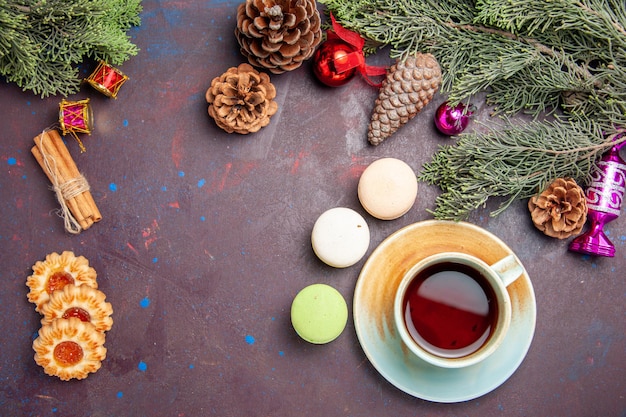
(515, 162)
(476, 49)
(42, 42)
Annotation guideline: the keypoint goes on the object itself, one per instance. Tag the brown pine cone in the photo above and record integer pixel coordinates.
(278, 34)
(561, 210)
(241, 100)
(408, 87)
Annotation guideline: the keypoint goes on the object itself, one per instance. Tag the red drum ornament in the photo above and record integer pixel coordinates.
(107, 79)
(330, 62)
(76, 117)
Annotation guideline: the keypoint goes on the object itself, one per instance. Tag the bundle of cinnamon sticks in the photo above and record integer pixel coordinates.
(78, 206)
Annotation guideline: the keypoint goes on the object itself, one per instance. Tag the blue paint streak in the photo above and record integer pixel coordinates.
(113, 187)
(125, 122)
(143, 367)
(201, 183)
(12, 161)
(120, 394)
(250, 339)
(145, 302)
(181, 173)
(155, 260)
(202, 218)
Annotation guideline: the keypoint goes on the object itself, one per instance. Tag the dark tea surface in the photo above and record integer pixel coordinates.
(450, 309)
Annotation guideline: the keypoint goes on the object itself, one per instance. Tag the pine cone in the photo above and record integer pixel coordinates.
(278, 34)
(408, 87)
(561, 210)
(241, 100)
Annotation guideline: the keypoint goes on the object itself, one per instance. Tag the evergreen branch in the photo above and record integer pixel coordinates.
(41, 42)
(514, 162)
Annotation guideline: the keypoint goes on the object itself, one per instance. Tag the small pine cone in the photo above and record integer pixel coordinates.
(561, 210)
(408, 87)
(278, 35)
(241, 100)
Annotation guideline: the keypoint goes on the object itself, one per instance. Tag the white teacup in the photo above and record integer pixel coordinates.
(453, 310)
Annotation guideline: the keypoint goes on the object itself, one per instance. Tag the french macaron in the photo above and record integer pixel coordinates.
(319, 313)
(340, 237)
(387, 188)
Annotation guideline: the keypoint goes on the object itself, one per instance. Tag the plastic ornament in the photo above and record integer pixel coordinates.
(452, 120)
(605, 196)
(330, 62)
(341, 56)
(76, 116)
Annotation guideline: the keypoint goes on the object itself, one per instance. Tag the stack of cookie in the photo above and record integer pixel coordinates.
(75, 316)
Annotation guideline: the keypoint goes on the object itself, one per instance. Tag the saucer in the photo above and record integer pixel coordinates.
(374, 323)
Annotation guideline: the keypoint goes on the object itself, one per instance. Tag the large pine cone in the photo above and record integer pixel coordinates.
(561, 210)
(409, 86)
(278, 34)
(241, 100)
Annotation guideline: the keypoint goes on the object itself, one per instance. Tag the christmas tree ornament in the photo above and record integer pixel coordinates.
(242, 100)
(278, 35)
(452, 120)
(561, 210)
(76, 117)
(605, 196)
(410, 85)
(331, 55)
(338, 59)
(107, 79)
(78, 209)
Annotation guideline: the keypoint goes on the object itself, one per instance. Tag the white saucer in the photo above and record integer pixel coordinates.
(375, 328)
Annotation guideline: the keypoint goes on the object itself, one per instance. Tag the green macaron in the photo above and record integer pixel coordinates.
(319, 313)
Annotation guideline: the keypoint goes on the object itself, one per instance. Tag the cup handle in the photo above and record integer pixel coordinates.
(508, 269)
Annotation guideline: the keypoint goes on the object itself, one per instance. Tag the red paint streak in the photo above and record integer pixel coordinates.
(16, 238)
(131, 247)
(296, 163)
(19, 203)
(150, 234)
(177, 151)
(232, 175)
(174, 204)
(222, 183)
(356, 168)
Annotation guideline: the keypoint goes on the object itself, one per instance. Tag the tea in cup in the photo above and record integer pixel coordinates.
(453, 310)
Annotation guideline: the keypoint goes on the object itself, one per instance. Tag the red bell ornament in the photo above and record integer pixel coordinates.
(331, 62)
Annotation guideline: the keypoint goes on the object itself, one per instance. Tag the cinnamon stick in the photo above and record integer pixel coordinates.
(71, 187)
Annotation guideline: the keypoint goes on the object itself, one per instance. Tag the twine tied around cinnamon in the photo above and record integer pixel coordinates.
(72, 190)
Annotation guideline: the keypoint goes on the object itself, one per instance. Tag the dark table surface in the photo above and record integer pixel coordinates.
(205, 240)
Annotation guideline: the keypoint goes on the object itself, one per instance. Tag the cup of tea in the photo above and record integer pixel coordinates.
(453, 310)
